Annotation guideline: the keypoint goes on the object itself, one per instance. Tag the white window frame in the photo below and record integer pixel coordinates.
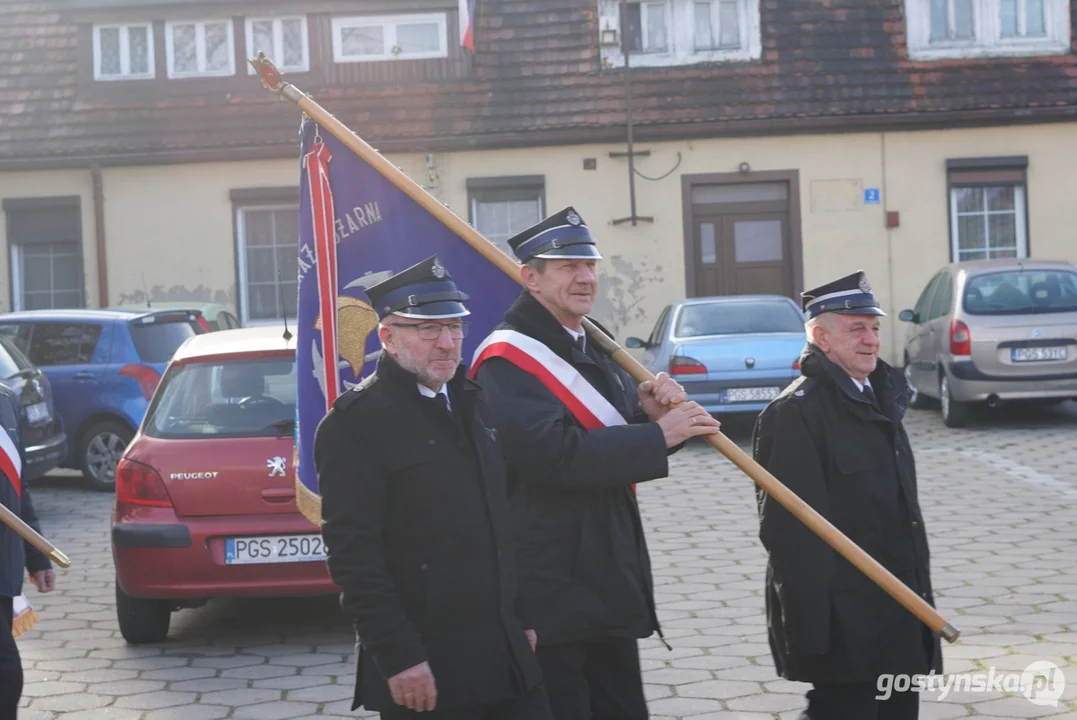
(200, 48)
(15, 258)
(278, 42)
(681, 41)
(125, 52)
(241, 262)
(389, 22)
(987, 38)
(1020, 213)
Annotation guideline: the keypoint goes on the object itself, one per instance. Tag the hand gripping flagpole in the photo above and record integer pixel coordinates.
(271, 79)
(32, 536)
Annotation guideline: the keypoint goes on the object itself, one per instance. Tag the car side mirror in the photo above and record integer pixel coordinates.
(635, 343)
(907, 316)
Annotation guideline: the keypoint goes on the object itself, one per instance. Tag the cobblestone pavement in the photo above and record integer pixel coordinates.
(999, 498)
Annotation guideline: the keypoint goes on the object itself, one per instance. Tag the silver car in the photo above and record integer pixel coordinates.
(991, 331)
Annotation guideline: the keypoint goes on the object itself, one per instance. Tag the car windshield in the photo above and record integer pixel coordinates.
(1021, 292)
(157, 342)
(738, 318)
(243, 397)
(12, 362)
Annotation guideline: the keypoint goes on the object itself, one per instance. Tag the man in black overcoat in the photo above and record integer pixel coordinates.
(578, 433)
(18, 558)
(415, 521)
(835, 438)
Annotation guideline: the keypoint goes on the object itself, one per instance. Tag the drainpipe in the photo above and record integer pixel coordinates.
(99, 232)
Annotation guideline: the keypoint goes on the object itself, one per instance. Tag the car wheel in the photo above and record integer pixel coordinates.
(141, 620)
(954, 413)
(100, 449)
(916, 399)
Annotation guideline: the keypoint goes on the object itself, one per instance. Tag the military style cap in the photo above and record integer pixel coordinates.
(424, 291)
(563, 236)
(851, 295)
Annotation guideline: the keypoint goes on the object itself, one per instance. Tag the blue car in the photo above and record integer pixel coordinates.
(103, 366)
(732, 354)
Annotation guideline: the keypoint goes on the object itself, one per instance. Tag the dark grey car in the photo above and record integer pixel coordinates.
(43, 437)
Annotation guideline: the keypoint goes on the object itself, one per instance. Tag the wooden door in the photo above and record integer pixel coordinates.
(743, 254)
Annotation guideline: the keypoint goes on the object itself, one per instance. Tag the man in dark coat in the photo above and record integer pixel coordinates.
(835, 438)
(578, 434)
(16, 555)
(415, 520)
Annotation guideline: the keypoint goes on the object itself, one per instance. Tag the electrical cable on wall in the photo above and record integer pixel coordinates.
(664, 176)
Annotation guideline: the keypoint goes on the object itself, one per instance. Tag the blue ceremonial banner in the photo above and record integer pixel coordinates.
(356, 228)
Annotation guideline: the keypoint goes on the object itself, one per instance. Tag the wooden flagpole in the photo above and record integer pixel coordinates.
(33, 537)
(272, 80)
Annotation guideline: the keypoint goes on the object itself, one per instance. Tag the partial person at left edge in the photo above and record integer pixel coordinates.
(16, 555)
(416, 521)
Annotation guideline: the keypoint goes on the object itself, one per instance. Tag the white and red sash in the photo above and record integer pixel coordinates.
(10, 462)
(581, 398)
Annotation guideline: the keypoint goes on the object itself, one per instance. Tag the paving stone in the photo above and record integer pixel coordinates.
(275, 711)
(178, 674)
(105, 713)
(718, 689)
(189, 712)
(208, 685)
(322, 693)
(51, 687)
(290, 682)
(155, 700)
(71, 702)
(239, 698)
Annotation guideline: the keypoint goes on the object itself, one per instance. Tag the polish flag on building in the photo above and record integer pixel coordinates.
(467, 22)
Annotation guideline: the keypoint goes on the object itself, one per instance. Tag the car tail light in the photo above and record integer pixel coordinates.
(202, 323)
(141, 485)
(796, 364)
(680, 365)
(960, 339)
(147, 377)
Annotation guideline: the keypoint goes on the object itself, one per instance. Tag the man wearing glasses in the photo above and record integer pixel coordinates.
(415, 520)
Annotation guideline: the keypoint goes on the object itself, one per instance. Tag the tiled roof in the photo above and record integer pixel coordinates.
(839, 65)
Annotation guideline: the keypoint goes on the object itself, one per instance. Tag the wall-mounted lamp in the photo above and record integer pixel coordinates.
(744, 167)
(608, 37)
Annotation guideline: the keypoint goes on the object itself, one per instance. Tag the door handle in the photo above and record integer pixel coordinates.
(83, 376)
(278, 494)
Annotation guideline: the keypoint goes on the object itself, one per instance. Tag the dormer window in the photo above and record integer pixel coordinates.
(949, 29)
(200, 49)
(123, 52)
(679, 32)
(282, 39)
(377, 38)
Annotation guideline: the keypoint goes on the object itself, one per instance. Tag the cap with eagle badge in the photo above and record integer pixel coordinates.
(563, 236)
(425, 291)
(850, 295)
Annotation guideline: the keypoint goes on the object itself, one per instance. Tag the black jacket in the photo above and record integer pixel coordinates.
(828, 623)
(583, 558)
(415, 520)
(17, 557)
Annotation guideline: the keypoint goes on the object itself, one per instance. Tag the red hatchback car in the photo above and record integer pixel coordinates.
(205, 496)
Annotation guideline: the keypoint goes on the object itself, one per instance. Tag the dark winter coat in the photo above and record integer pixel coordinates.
(583, 558)
(828, 623)
(17, 557)
(415, 520)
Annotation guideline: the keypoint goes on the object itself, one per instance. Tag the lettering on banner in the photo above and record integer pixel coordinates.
(351, 222)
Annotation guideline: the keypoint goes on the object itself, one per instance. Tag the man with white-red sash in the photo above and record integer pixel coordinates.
(578, 434)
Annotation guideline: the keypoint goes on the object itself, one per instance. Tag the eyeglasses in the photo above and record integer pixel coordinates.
(432, 331)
